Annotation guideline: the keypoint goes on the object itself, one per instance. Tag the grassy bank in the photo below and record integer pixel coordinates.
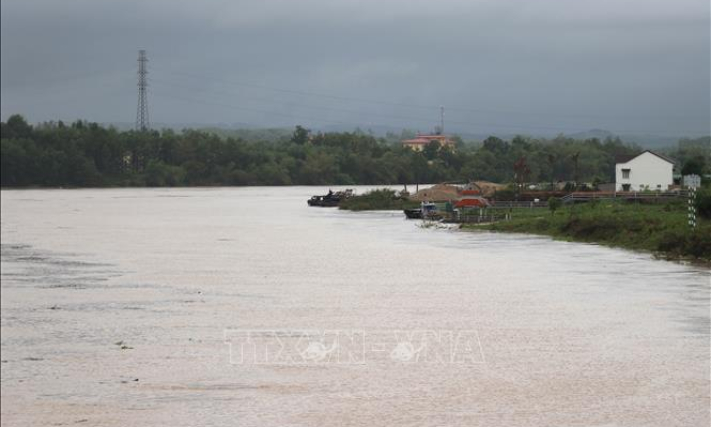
(377, 200)
(658, 228)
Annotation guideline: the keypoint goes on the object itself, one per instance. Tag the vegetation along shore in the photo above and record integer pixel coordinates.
(661, 229)
(378, 200)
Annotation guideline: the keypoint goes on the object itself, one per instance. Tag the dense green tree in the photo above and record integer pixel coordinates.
(300, 136)
(703, 203)
(430, 151)
(86, 154)
(495, 145)
(16, 127)
(694, 166)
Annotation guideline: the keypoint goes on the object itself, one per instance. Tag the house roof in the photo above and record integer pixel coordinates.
(426, 139)
(626, 158)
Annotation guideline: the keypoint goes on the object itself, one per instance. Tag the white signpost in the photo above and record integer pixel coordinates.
(692, 181)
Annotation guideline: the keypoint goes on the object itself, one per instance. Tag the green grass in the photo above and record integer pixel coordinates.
(381, 199)
(657, 228)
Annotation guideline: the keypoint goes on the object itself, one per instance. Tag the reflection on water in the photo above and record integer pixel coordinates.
(115, 304)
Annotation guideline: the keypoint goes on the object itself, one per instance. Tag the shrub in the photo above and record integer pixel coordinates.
(553, 204)
(703, 203)
(699, 245)
(381, 199)
(671, 241)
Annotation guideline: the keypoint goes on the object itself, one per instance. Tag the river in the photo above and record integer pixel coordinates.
(131, 306)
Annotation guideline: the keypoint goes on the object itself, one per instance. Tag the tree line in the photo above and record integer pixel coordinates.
(83, 154)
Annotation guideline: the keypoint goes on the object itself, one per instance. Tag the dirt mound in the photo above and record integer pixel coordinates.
(437, 193)
(449, 192)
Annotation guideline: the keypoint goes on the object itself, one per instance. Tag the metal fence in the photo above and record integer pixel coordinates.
(623, 195)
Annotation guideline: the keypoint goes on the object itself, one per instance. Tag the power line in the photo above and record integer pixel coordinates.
(300, 92)
(255, 110)
(423, 122)
(299, 104)
(192, 101)
(423, 106)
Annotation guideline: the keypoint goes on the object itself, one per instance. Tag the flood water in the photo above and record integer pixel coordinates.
(118, 305)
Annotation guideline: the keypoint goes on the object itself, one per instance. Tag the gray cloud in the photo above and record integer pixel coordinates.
(637, 66)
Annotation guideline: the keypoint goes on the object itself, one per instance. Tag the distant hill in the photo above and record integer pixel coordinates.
(644, 141)
(652, 141)
(592, 133)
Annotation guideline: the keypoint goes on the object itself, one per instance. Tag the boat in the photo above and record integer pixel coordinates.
(413, 213)
(452, 198)
(331, 199)
(425, 211)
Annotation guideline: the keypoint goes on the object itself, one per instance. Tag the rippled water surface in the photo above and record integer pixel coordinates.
(116, 303)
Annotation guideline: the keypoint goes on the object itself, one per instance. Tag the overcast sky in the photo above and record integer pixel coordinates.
(543, 66)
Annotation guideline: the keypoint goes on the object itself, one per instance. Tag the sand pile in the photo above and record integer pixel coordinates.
(437, 193)
(448, 192)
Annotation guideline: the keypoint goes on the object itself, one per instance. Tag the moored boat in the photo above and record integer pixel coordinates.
(425, 211)
(331, 199)
(413, 213)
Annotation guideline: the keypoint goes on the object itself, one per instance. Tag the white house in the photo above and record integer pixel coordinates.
(645, 171)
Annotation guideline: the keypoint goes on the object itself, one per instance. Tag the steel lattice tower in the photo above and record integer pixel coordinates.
(142, 110)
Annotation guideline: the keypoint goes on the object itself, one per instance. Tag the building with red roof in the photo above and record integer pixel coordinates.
(421, 141)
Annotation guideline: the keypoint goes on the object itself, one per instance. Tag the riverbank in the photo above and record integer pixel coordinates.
(658, 228)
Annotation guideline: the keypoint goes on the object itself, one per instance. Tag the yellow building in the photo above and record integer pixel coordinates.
(420, 142)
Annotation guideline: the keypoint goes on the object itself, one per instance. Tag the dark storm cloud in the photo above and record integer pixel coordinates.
(537, 67)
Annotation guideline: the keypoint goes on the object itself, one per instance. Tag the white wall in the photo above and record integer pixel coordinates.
(647, 171)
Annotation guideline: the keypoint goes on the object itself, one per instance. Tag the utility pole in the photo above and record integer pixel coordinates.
(142, 123)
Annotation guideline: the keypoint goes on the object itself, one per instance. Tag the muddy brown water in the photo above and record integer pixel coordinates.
(116, 303)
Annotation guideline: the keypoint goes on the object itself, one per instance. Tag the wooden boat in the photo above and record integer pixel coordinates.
(323, 201)
(425, 211)
(331, 199)
(413, 213)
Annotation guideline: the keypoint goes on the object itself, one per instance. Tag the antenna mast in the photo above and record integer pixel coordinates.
(142, 110)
